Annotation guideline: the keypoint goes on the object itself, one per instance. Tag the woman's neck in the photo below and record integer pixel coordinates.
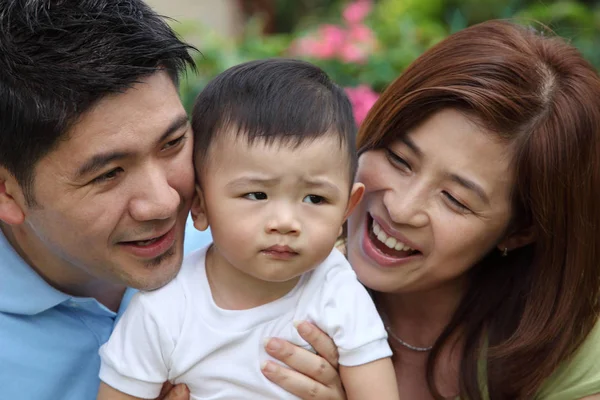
(420, 317)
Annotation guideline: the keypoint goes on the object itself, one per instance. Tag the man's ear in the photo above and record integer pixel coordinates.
(356, 194)
(12, 200)
(518, 239)
(199, 210)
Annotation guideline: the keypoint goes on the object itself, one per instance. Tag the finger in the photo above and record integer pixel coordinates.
(178, 392)
(302, 361)
(167, 386)
(298, 384)
(323, 344)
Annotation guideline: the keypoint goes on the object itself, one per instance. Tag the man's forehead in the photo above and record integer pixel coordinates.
(143, 104)
(142, 113)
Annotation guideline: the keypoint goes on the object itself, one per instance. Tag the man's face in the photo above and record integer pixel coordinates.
(113, 197)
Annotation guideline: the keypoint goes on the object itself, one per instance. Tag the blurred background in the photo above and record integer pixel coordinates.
(362, 44)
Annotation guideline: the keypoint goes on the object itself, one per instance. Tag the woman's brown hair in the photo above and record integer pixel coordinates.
(535, 307)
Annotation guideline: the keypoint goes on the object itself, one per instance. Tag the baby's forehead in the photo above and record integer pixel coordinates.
(326, 146)
(300, 161)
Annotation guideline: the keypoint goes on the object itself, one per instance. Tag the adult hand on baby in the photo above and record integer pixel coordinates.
(310, 376)
(170, 392)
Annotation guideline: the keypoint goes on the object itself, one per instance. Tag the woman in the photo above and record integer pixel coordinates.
(479, 232)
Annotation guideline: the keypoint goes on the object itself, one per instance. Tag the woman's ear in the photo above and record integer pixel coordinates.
(199, 210)
(356, 194)
(518, 239)
(12, 199)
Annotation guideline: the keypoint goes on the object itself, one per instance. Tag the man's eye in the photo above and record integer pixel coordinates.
(174, 142)
(256, 196)
(314, 199)
(110, 175)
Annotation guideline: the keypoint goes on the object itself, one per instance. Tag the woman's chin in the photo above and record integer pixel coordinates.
(371, 276)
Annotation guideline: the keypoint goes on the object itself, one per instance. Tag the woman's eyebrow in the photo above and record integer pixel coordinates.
(408, 142)
(470, 185)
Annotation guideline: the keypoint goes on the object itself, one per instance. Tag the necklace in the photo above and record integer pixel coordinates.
(407, 345)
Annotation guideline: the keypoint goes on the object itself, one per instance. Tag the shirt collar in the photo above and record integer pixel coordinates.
(22, 290)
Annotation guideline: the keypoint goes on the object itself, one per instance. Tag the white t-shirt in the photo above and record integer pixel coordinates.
(177, 333)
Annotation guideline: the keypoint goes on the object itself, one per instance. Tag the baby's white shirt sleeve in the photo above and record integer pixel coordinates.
(136, 358)
(346, 312)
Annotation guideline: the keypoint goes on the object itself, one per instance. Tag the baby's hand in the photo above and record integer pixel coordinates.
(170, 392)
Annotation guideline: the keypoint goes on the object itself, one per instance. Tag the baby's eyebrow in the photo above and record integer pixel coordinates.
(321, 184)
(247, 180)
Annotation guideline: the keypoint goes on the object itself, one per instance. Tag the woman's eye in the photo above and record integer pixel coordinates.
(455, 203)
(174, 142)
(397, 160)
(256, 196)
(110, 175)
(314, 199)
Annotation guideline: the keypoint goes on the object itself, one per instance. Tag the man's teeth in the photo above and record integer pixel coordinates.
(146, 242)
(389, 241)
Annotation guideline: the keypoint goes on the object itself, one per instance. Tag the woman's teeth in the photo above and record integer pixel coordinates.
(389, 241)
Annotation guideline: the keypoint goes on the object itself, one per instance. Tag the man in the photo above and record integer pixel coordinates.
(96, 180)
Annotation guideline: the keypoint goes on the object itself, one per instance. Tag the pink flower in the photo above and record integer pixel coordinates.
(324, 44)
(361, 33)
(333, 34)
(304, 46)
(351, 44)
(360, 43)
(331, 38)
(351, 53)
(356, 11)
(362, 98)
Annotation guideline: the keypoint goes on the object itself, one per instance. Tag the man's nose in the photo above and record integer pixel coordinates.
(154, 198)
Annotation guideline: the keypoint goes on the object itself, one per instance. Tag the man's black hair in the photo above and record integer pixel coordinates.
(274, 100)
(59, 57)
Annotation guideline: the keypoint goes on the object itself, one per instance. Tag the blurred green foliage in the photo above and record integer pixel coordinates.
(403, 29)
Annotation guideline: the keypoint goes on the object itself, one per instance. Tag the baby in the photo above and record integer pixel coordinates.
(275, 161)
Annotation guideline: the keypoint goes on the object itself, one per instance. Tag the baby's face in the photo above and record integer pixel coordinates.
(275, 211)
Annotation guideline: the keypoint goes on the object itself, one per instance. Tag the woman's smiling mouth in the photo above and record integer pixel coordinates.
(383, 248)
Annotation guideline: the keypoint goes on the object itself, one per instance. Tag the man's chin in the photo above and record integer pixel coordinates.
(157, 273)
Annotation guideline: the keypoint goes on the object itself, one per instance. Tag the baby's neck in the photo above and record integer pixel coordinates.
(233, 289)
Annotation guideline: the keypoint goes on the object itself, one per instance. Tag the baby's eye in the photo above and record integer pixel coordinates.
(314, 199)
(256, 196)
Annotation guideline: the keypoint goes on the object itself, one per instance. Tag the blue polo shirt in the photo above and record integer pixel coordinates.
(49, 340)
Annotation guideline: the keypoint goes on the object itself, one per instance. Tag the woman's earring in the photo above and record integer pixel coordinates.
(505, 252)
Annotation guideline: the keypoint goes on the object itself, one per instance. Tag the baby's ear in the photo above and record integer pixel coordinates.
(199, 210)
(356, 194)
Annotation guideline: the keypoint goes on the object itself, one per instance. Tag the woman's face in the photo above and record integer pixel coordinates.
(437, 200)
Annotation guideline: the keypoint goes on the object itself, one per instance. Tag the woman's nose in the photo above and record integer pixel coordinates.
(407, 206)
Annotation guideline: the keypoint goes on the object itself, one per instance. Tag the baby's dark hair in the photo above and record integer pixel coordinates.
(274, 100)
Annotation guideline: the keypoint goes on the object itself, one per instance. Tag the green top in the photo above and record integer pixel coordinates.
(578, 377)
(574, 379)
